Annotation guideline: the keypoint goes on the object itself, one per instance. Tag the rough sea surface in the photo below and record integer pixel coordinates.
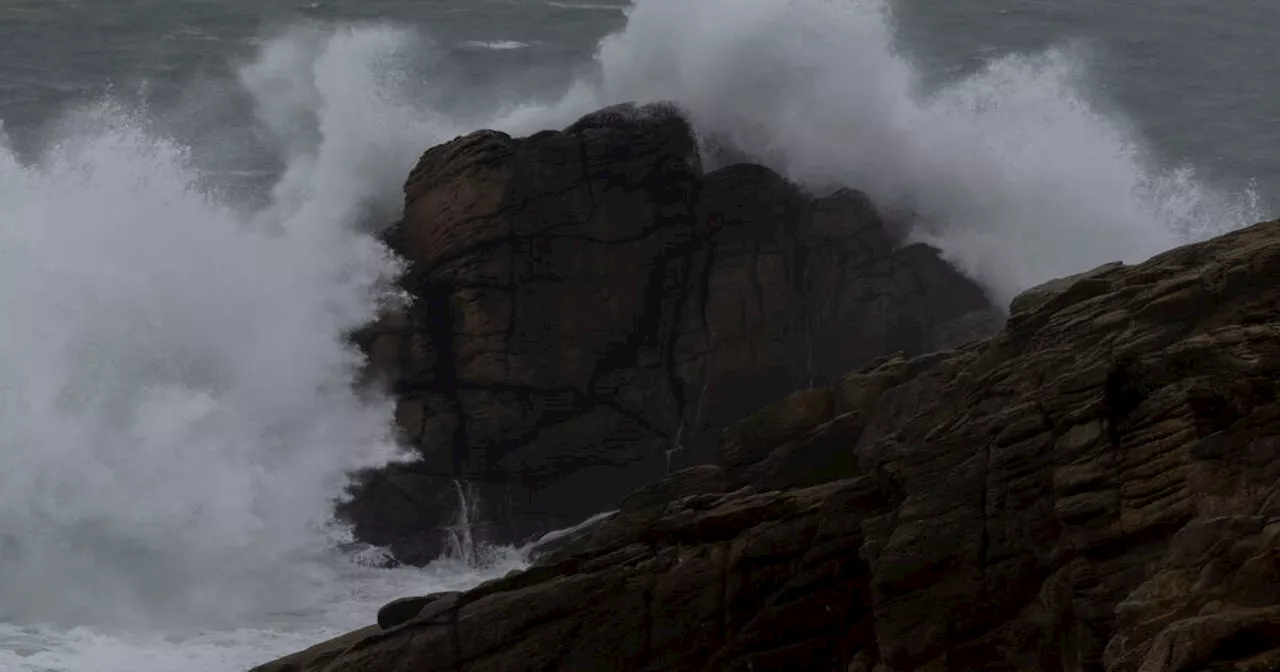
(189, 191)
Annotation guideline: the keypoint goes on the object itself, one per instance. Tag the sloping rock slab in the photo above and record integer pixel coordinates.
(1095, 488)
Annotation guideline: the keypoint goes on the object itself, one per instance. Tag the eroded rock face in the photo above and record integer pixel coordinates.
(1095, 488)
(591, 310)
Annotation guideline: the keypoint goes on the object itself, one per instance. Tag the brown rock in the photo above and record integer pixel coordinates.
(591, 310)
(1061, 289)
(1094, 488)
(405, 609)
(319, 656)
(760, 433)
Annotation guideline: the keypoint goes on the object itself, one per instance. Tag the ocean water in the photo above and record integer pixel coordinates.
(189, 192)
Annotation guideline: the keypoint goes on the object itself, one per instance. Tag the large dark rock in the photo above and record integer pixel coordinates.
(1095, 488)
(591, 310)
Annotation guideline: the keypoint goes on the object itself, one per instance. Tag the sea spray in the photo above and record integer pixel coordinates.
(1015, 171)
(177, 411)
(1011, 171)
(336, 105)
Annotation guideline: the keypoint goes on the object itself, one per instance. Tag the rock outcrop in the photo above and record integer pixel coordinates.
(591, 309)
(1097, 487)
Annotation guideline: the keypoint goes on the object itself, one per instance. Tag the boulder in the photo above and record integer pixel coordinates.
(590, 310)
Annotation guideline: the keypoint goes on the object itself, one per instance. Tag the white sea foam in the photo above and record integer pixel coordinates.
(346, 602)
(177, 413)
(496, 45)
(176, 409)
(597, 6)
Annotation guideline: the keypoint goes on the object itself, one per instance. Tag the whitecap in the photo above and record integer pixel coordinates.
(496, 45)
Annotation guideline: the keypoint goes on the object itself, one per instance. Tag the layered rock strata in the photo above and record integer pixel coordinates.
(1097, 487)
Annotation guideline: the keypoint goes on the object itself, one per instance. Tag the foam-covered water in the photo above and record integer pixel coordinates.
(177, 412)
(346, 600)
(176, 403)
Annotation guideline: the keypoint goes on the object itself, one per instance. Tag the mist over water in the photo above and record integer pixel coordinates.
(338, 109)
(176, 410)
(1013, 172)
(177, 413)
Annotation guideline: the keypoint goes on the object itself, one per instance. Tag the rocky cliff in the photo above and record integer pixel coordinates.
(1096, 487)
(591, 309)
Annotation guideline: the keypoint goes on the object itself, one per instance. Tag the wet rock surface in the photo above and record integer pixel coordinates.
(1096, 487)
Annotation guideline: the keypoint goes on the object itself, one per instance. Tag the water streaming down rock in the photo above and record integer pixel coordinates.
(461, 542)
(465, 544)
